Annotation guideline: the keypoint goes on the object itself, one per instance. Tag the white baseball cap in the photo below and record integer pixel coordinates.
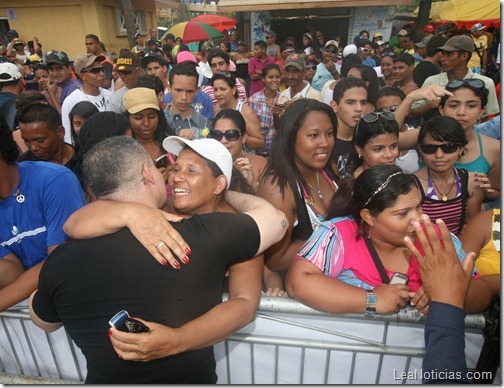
(210, 149)
(9, 72)
(349, 49)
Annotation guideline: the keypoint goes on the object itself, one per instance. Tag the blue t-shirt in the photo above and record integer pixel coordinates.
(32, 217)
(202, 104)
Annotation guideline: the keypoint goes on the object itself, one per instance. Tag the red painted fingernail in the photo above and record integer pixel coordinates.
(180, 215)
(118, 356)
(188, 251)
(109, 332)
(185, 260)
(176, 265)
(165, 262)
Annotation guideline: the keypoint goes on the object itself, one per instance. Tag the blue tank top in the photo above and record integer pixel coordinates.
(480, 164)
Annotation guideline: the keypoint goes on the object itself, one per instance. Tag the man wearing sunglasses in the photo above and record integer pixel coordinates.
(364, 52)
(129, 68)
(326, 70)
(89, 68)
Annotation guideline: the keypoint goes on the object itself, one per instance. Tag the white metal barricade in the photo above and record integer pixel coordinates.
(288, 343)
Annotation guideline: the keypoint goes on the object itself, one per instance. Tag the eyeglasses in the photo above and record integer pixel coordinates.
(392, 109)
(472, 82)
(374, 116)
(230, 134)
(312, 67)
(328, 50)
(447, 148)
(94, 70)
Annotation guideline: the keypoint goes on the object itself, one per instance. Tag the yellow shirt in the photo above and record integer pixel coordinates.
(488, 260)
(481, 44)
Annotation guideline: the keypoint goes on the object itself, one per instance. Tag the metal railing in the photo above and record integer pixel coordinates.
(287, 343)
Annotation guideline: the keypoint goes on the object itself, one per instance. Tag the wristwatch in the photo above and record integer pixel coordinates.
(370, 304)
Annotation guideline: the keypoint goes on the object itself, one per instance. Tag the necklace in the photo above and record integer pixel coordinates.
(319, 193)
(444, 197)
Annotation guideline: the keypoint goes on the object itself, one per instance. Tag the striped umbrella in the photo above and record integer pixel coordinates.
(194, 32)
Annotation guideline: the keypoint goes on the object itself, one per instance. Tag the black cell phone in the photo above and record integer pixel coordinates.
(123, 322)
(162, 161)
(399, 278)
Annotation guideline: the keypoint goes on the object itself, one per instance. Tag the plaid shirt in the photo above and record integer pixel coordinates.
(259, 105)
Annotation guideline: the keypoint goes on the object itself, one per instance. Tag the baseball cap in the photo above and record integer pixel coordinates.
(153, 57)
(308, 35)
(241, 42)
(377, 35)
(380, 42)
(152, 42)
(127, 61)
(16, 41)
(296, 61)
(86, 60)
(138, 99)
(207, 46)
(33, 58)
(402, 33)
(349, 49)
(169, 36)
(138, 34)
(457, 43)
(477, 27)
(424, 41)
(184, 56)
(9, 72)
(209, 149)
(12, 33)
(58, 57)
(331, 42)
(428, 28)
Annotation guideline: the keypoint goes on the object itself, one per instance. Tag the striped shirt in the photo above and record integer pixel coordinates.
(263, 111)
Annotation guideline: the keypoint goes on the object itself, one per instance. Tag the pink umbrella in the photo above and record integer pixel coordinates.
(218, 22)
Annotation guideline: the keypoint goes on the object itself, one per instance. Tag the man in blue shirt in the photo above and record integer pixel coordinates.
(36, 198)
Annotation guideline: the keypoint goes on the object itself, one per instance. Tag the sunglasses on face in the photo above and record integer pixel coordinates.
(373, 116)
(268, 37)
(472, 82)
(312, 67)
(392, 109)
(94, 70)
(388, 54)
(447, 148)
(366, 50)
(230, 134)
(328, 50)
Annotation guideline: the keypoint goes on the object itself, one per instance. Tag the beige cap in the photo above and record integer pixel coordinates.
(139, 99)
(86, 60)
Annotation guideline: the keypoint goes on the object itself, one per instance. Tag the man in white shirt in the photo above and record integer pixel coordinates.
(294, 70)
(90, 70)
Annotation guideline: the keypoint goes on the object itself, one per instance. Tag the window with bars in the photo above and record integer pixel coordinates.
(140, 22)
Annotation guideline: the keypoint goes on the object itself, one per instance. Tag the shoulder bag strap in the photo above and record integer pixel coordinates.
(379, 266)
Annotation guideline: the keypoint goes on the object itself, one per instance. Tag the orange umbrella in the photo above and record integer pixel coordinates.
(218, 22)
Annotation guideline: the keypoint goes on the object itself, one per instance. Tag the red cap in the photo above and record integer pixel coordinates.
(428, 28)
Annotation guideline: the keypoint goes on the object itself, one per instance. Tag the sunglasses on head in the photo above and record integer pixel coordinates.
(94, 70)
(230, 134)
(290, 51)
(312, 67)
(447, 148)
(374, 116)
(472, 82)
(328, 50)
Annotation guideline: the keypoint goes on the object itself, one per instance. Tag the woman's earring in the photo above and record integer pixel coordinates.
(360, 156)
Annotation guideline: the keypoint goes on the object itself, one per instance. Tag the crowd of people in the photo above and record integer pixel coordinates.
(299, 168)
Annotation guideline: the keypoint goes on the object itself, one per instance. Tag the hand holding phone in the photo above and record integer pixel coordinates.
(123, 322)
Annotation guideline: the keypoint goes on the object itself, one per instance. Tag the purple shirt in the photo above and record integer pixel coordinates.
(68, 87)
(256, 64)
